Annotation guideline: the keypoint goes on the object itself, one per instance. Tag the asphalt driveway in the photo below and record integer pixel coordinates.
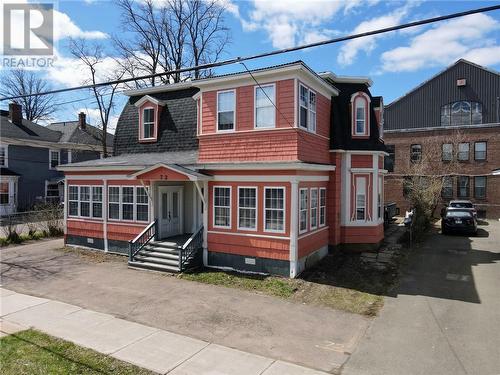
(445, 315)
(315, 337)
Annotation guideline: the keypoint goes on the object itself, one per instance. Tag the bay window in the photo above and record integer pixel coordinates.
(222, 207)
(247, 208)
(274, 209)
(226, 104)
(264, 106)
(360, 198)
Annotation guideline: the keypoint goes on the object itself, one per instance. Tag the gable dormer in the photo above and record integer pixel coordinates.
(149, 118)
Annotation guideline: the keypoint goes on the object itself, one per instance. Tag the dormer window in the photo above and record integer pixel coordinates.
(148, 123)
(360, 114)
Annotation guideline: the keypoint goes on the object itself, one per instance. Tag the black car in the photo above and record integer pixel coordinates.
(458, 220)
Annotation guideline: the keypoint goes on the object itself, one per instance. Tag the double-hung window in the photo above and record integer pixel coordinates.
(303, 203)
(226, 105)
(114, 202)
(247, 208)
(127, 203)
(480, 151)
(447, 152)
(480, 187)
(415, 153)
(73, 200)
(314, 208)
(148, 123)
(322, 207)
(447, 191)
(222, 207)
(463, 187)
(54, 159)
(360, 113)
(142, 204)
(463, 151)
(97, 201)
(85, 201)
(3, 156)
(360, 198)
(307, 108)
(4, 193)
(274, 209)
(264, 106)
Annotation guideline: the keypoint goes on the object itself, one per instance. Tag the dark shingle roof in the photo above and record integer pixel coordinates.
(177, 129)
(72, 133)
(7, 172)
(28, 130)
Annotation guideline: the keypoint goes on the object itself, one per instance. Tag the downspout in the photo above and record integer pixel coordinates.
(294, 252)
(65, 209)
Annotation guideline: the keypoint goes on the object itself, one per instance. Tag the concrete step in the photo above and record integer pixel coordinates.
(153, 266)
(160, 249)
(164, 244)
(159, 254)
(154, 260)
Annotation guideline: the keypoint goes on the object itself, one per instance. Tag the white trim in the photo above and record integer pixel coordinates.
(295, 102)
(256, 208)
(306, 209)
(294, 251)
(448, 127)
(274, 105)
(217, 130)
(365, 206)
(99, 177)
(65, 206)
(267, 166)
(230, 206)
(361, 170)
(155, 111)
(361, 152)
(158, 89)
(70, 157)
(250, 235)
(368, 223)
(147, 98)
(274, 209)
(58, 159)
(192, 176)
(79, 201)
(346, 79)
(277, 178)
(313, 232)
(6, 155)
(134, 204)
(105, 215)
(53, 145)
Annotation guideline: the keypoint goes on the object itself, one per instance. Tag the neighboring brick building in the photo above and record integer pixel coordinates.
(466, 98)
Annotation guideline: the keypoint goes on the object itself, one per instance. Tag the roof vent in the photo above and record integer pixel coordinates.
(461, 82)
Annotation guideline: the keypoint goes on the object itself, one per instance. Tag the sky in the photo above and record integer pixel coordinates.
(396, 61)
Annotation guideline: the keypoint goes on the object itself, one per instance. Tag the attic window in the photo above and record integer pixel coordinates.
(360, 114)
(148, 131)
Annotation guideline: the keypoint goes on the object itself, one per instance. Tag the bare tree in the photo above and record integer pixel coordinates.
(92, 57)
(169, 35)
(19, 82)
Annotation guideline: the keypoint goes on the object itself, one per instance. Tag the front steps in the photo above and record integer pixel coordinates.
(158, 256)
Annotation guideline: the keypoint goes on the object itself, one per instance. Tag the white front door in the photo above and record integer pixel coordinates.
(170, 210)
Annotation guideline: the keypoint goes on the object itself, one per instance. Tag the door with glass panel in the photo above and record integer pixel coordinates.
(170, 211)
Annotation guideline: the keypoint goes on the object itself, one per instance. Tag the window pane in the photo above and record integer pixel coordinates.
(480, 151)
(264, 96)
(96, 209)
(226, 120)
(480, 187)
(274, 209)
(142, 196)
(445, 115)
(114, 211)
(303, 205)
(222, 217)
(477, 115)
(84, 193)
(264, 117)
(114, 194)
(303, 117)
(247, 208)
(447, 187)
(416, 153)
(222, 206)
(97, 194)
(85, 209)
(142, 212)
(2, 156)
(447, 151)
(128, 211)
(225, 101)
(73, 193)
(128, 195)
(314, 208)
(463, 187)
(54, 159)
(463, 151)
(73, 209)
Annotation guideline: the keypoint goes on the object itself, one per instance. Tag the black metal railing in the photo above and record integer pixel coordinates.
(190, 248)
(142, 239)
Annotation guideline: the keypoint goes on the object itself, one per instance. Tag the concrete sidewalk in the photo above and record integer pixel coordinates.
(147, 347)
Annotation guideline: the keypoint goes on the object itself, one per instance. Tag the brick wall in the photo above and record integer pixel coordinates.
(403, 141)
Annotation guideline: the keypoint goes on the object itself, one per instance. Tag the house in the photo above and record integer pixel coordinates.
(30, 154)
(257, 172)
(463, 99)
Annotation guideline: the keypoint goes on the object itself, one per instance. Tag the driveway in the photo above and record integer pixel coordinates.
(314, 337)
(445, 315)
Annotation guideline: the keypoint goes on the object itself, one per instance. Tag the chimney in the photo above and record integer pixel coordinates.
(16, 113)
(82, 121)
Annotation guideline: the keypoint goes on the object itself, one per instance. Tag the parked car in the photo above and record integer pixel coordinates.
(463, 204)
(458, 220)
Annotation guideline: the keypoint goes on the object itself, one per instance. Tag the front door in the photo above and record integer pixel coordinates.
(170, 218)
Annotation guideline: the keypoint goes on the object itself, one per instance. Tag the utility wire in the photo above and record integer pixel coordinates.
(267, 54)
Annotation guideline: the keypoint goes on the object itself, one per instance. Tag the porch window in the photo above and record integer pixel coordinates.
(4, 193)
(73, 201)
(85, 201)
(360, 198)
(226, 104)
(222, 207)
(303, 210)
(322, 207)
(314, 208)
(114, 202)
(142, 204)
(247, 208)
(148, 123)
(264, 106)
(274, 209)
(128, 203)
(97, 201)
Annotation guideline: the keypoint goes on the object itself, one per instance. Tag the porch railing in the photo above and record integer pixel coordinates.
(190, 248)
(142, 239)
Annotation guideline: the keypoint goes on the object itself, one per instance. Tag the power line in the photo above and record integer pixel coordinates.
(267, 54)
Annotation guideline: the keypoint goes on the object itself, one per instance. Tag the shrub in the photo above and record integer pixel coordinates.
(53, 221)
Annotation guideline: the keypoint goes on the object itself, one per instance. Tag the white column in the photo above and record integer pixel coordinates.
(294, 242)
(66, 205)
(105, 213)
(205, 223)
(345, 201)
(194, 222)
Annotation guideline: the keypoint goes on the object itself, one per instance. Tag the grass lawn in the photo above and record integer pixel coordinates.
(339, 281)
(33, 352)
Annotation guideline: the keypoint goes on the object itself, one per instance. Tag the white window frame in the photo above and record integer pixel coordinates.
(143, 138)
(272, 105)
(311, 128)
(322, 207)
(311, 208)
(248, 208)
(360, 99)
(357, 189)
(120, 204)
(90, 201)
(6, 155)
(58, 158)
(266, 188)
(234, 112)
(230, 206)
(301, 209)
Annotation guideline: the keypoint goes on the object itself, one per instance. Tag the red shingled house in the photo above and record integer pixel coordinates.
(258, 172)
